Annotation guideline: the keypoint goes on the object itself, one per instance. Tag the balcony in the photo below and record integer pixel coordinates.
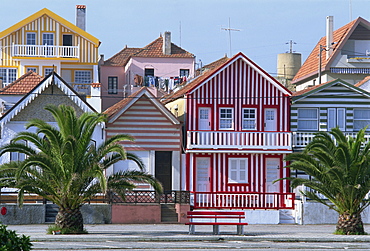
(45, 51)
(301, 139)
(239, 140)
(242, 200)
(82, 89)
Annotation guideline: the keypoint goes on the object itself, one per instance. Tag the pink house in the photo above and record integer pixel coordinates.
(161, 64)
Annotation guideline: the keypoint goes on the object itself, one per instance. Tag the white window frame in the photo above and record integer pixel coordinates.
(247, 118)
(9, 75)
(47, 71)
(224, 118)
(237, 172)
(308, 119)
(46, 38)
(31, 40)
(34, 69)
(83, 77)
(363, 121)
(337, 116)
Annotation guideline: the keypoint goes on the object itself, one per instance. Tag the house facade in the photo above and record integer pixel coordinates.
(160, 64)
(45, 42)
(237, 123)
(342, 53)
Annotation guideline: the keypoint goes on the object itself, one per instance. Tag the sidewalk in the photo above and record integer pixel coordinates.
(179, 232)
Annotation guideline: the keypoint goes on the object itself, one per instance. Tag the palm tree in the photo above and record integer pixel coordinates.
(65, 167)
(339, 167)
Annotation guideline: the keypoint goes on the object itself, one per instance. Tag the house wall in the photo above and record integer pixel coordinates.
(111, 71)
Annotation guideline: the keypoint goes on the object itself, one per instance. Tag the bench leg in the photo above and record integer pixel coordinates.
(240, 229)
(191, 229)
(216, 229)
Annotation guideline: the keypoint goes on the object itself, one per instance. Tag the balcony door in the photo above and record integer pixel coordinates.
(48, 42)
(337, 117)
(204, 119)
(272, 173)
(270, 119)
(203, 176)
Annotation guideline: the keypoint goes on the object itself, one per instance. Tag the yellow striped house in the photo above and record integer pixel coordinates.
(44, 42)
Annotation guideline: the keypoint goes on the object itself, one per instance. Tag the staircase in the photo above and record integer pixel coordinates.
(51, 212)
(168, 213)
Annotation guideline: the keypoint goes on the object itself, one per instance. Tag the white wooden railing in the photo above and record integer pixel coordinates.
(301, 139)
(84, 89)
(239, 140)
(243, 200)
(57, 51)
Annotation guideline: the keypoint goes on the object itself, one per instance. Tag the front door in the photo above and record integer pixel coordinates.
(202, 175)
(204, 118)
(270, 119)
(163, 169)
(272, 173)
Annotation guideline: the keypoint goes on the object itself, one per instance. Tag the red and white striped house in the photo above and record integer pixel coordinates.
(237, 120)
(157, 134)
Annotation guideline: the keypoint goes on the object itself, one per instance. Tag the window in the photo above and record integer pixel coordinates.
(226, 118)
(249, 118)
(31, 38)
(308, 119)
(48, 39)
(83, 77)
(361, 118)
(238, 170)
(14, 156)
(337, 118)
(184, 72)
(9, 75)
(47, 71)
(34, 69)
(149, 72)
(112, 85)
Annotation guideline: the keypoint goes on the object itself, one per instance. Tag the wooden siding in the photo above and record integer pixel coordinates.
(88, 50)
(239, 86)
(151, 129)
(336, 96)
(219, 172)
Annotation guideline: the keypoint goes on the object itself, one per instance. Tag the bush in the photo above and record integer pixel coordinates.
(9, 240)
(53, 229)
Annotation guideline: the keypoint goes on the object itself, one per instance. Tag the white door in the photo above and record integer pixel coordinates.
(270, 119)
(203, 175)
(272, 173)
(204, 118)
(337, 117)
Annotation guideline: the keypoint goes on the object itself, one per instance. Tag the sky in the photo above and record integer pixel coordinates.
(264, 27)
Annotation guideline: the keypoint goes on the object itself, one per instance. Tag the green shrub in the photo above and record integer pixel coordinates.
(53, 229)
(9, 240)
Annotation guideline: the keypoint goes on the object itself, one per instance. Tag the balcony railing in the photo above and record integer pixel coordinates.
(82, 89)
(54, 51)
(301, 139)
(238, 140)
(242, 200)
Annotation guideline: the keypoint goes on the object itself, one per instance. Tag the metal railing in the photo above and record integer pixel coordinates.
(57, 51)
(239, 140)
(242, 200)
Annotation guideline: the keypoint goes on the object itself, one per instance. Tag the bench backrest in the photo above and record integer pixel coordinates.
(213, 213)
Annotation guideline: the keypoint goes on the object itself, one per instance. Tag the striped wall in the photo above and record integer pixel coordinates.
(256, 172)
(336, 96)
(46, 24)
(239, 86)
(151, 129)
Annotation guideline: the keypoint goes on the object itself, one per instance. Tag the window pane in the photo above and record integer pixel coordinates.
(112, 85)
(307, 119)
(83, 77)
(361, 118)
(238, 170)
(307, 113)
(226, 118)
(249, 119)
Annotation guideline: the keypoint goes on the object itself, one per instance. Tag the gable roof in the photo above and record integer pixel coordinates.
(115, 111)
(340, 37)
(51, 14)
(22, 85)
(52, 79)
(317, 88)
(215, 68)
(152, 50)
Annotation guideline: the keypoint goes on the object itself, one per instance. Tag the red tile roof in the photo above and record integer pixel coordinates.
(366, 79)
(22, 85)
(152, 50)
(340, 36)
(308, 89)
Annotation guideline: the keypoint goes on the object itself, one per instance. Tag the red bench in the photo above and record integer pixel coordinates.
(213, 218)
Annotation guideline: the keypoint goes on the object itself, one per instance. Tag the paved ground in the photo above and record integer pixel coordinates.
(176, 237)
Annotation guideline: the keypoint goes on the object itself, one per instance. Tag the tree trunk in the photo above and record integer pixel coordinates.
(350, 224)
(70, 219)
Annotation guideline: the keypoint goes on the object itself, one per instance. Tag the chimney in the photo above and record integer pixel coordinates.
(329, 36)
(81, 16)
(167, 43)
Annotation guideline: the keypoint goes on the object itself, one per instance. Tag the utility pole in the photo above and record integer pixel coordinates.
(229, 29)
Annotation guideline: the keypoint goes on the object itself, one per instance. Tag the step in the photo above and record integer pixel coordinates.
(168, 213)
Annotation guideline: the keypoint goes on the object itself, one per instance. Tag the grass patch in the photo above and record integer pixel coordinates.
(53, 229)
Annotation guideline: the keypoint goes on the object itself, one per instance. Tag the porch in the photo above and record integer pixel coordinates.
(301, 139)
(242, 200)
(51, 51)
(238, 140)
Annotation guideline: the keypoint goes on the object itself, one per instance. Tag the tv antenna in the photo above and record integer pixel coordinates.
(291, 45)
(229, 29)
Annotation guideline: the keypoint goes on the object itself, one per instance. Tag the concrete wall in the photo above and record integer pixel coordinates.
(181, 210)
(96, 213)
(28, 214)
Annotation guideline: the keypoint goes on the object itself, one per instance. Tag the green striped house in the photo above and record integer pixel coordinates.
(322, 107)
